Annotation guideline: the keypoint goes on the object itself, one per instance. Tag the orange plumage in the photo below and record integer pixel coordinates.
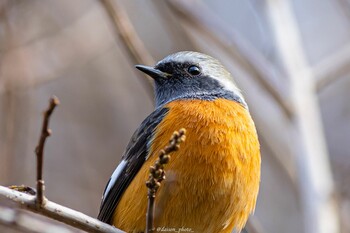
(211, 183)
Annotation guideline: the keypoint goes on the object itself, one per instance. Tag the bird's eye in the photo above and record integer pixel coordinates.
(194, 70)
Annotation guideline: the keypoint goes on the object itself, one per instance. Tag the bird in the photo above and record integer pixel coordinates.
(212, 181)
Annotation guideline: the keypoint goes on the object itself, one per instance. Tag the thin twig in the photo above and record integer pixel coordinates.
(45, 132)
(58, 212)
(132, 43)
(157, 174)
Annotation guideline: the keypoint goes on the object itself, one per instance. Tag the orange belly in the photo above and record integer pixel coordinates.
(211, 183)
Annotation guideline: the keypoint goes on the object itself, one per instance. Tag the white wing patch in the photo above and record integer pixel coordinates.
(114, 177)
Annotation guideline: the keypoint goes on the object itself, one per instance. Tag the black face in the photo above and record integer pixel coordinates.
(187, 81)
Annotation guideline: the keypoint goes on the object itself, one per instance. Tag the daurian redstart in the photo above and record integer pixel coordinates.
(212, 182)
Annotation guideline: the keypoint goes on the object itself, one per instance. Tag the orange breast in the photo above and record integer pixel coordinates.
(211, 183)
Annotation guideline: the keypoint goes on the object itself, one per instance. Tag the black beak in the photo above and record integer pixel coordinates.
(154, 73)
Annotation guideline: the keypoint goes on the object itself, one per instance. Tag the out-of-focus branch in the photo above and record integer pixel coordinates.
(314, 171)
(344, 7)
(210, 25)
(39, 150)
(172, 26)
(157, 175)
(58, 212)
(17, 219)
(332, 68)
(134, 47)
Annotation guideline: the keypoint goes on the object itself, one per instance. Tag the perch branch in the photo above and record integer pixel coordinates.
(39, 204)
(39, 150)
(58, 212)
(157, 174)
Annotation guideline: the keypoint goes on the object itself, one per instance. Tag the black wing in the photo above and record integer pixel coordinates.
(132, 160)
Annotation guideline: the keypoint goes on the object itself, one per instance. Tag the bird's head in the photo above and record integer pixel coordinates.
(191, 75)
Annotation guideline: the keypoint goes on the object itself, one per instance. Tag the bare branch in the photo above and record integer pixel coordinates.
(131, 41)
(332, 68)
(58, 212)
(235, 45)
(17, 219)
(314, 171)
(45, 132)
(38, 204)
(157, 174)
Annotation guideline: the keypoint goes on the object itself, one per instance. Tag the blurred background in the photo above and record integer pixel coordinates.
(291, 59)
